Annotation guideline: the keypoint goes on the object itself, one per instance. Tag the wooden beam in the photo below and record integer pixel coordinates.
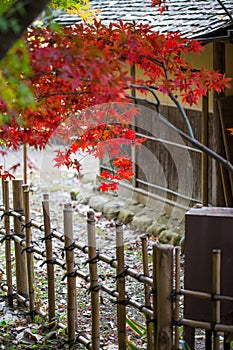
(217, 142)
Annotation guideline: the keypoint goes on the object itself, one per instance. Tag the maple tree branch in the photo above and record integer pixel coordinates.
(63, 94)
(179, 105)
(199, 145)
(151, 89)
(20, 15)
(189, 138)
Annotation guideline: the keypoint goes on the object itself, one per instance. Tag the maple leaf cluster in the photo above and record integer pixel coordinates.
(79, 76)
(5, 175)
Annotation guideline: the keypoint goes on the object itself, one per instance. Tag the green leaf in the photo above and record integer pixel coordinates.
(131, 345)
(136, 327)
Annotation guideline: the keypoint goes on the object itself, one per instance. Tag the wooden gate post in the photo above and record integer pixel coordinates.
(164, 276)
(94, 285)
(49, 258)
(28, 249)
(20, 258)
(121, 302)
(8, 244)
(149, 328)
(216, 289)
(70, 273)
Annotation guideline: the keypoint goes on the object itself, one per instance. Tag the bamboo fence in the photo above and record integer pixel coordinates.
(160, 279)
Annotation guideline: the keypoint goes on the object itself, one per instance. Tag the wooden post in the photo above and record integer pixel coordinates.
(164, 277)
(49, 258)
(216, 289)
(204, 139)
(94, 286)
(150, 345)
(177, 300)
(8, 244)
(217, 146)
(20, 258)
(30, 263)
(71, 278)
(121, 302)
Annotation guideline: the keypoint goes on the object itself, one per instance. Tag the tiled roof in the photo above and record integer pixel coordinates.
(193, 18)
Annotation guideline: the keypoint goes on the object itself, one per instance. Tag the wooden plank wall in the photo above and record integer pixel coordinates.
(170, 167)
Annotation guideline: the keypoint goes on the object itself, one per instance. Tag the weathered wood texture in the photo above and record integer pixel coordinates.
(170, 166)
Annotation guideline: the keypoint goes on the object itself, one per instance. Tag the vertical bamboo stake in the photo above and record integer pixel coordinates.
(121, 302)
(8, 244)
(20, 258)
(154, 292)
(150, 345)
(49, 258)
(177, 300)
(216, 285)
(30, 263)
(94, 287)
(25, 163)
(164, 292)
(71, 279)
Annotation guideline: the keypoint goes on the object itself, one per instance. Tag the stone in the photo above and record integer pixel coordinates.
(84, 197)
(112, 209)
(169, 237)
(98, 202)
(127, 213)
(142, 222)
(155, 229)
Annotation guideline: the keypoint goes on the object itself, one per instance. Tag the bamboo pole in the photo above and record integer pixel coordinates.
(94, 286)
(71, 278)
(164, 277)
(30, 263)
(177, 300)
(150, 345)
(49, 258)
(207, 325)
(216, 285)
(154, 292)
(121, 301)
(20, 257)
(8, 244)
(25, 163)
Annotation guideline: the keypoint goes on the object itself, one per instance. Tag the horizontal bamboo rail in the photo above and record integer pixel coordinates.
(102, 257)
(203, 295)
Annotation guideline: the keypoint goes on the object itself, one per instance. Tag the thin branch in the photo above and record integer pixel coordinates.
(179, 105)
(151, 89)
(61, 93)
(189, 138)
(199, 145)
